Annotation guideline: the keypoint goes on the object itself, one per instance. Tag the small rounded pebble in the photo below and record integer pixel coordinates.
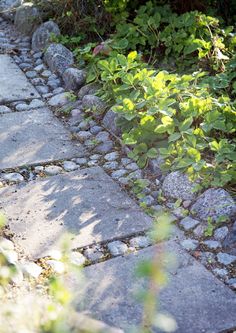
(70, 166)
(140, 242)
(52, 170)
(211, 244)
(77, 258)
(57, 266)
(13, 177)
(117, 248)
(111, 156)
(190, 244)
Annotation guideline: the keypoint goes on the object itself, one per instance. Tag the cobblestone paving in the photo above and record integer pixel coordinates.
(55, 175)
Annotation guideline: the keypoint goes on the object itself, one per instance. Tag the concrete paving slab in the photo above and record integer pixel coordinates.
(14, 85)
(87, 206)
(33, 137)
(194, 297)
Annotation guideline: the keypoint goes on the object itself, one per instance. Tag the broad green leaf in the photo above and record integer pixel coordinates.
(185, 124)
(174, 137)
(152, 153)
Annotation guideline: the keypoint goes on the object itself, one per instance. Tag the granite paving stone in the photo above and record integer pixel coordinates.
(197, 300)
(87, 206)
(14, 84)
(33, 137)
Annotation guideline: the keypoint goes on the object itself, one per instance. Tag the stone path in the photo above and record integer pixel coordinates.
(57, 196)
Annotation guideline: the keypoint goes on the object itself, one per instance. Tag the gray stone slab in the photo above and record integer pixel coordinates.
(87, 206)
(14, 85)
(194, 297)
(33, 137)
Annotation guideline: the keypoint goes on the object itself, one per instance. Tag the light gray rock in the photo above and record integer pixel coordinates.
(74, 78)
(40, 68)
(70, 166)
(110, 122)
(53, 170)
(88, 89)
(211, 244)
(77, 205)
(4, 109)
(83, 135)
(104, 147)
(27, 18)
(93, 254)
(190, 244)
(113, 165)
(118, 173)
(59, 100)
(199, 230)
(13, 177)
(31, 74)
(30, 269)
(81, 161)
(117, 248)
(42, 89)
(225, 258)
(176, 185)
(207, 258)
(96, 129)
(46, 73)
(102, 136)
(41, 36)
(33, 137)
(76, 258)
(57, 266)
(189, 223)
(140, 242)
(136, 174)
(111, 156)
(93, 103)
(214, 203)
(221, 272)
(230, 240)
(147, 200)
(36, 103)
(221, 233)
(6, 244)
(132, 166)
(154, 166)
(58, 58)
(7, 8)
(22, 107)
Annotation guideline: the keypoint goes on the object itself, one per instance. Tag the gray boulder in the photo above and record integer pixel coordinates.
(110, 122)
(8, 8)
(27, 18)
(41, 36)
(154, 165)
(74, 78)
(214, 203)
(88, 89)
(177, 185)
(93, 103)
(58, 58)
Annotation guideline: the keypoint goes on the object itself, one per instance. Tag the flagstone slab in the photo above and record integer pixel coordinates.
(85, 206)
(14, 86)
(193, 296)
(32, 137)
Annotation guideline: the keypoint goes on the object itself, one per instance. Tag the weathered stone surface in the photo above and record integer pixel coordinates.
(214, 203)
(109, 121)
(27, 18)
(117, 248)
(94, 103)
(8, 7)
(188, 223)
(176, 185)
(41, 36)
(58, 58)
(4, 109)
(14, 85)
(33, 137)
(230, 240)
(74, 78)
(88, 89)
(194, 297)
(59, 100)
(86, 205)
(154, 166)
